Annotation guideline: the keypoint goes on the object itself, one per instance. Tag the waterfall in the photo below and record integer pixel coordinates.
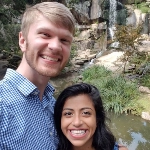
(112, 12)
(112, 17)
(112, 21)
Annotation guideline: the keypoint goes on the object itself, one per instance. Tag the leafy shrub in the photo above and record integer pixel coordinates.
(143, 7)
(145, 80)
(96, 72)
(117, 92)
(9, 38)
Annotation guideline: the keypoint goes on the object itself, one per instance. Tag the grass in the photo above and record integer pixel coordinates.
(96, 72)
(143, 7)
(144, 101)
(145, 80)
(118, 94)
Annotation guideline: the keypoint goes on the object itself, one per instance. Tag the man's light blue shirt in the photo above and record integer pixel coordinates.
(26, 123)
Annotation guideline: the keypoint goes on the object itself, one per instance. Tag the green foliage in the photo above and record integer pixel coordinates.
(73, 51)
(19, 5)
(72, 55)
(96, 72)
(74, 1)
(71, 3)
(144, 101)
(139, 58)
(117, 92)
(144, 7)
(10, 11)
(134, 107)
(12, 8)
(145, 80)
(9, 38)
(77, 32)
(128, 36)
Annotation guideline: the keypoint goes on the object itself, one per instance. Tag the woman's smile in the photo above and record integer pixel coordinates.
(78, 122)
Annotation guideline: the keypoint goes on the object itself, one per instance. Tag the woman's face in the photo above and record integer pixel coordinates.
(78, 121)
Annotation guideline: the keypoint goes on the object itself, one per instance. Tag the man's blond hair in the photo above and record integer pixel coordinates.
(57, 13)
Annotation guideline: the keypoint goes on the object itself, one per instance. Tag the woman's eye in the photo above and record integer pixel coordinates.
(86, 113)
(67, 113)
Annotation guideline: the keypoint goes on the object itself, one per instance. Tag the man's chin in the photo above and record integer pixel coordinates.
(51, 75)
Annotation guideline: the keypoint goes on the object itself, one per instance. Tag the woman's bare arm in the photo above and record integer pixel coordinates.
(121, 147)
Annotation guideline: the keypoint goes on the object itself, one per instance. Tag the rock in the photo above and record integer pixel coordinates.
(143, 89)
(144, 46)
(3, 68)
(110, 60)
(91, 56)
(79, 62)
(145, 115)
(86, 34)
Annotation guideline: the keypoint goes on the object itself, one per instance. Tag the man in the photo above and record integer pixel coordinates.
(26, 97)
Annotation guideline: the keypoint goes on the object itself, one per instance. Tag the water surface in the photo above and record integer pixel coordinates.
(131, 131)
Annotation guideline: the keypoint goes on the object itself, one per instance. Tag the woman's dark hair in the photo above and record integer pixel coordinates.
(103, 139)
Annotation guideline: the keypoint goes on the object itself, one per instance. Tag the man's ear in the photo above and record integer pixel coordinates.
(22, 42)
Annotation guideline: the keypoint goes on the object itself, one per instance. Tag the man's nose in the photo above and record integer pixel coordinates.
(55, 44)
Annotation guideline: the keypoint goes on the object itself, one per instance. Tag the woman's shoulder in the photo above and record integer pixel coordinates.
(116, 146)
(122, 147)
(119, 147)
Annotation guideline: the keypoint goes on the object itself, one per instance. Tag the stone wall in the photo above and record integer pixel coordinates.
(92, 11)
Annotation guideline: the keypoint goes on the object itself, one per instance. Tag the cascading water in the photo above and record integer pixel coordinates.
(112, 12)
(111, 27)
(112, 17)
(112, 20)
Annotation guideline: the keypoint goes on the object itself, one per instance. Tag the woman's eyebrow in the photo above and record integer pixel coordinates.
(80, 109)
(67, 109)
(86, 108)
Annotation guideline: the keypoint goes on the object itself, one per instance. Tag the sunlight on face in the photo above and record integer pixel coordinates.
(78, 122)
(47, 49)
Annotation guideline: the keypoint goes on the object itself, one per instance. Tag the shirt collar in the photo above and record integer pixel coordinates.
(48, 96)
(20, 82)
(49, 88)
(23, 84)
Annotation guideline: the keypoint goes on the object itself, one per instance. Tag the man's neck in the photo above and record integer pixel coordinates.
(38, 80)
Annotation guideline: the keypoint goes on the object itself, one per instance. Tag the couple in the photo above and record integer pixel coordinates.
(26, 96)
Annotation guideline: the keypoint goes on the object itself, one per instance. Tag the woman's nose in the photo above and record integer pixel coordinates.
(77, 121)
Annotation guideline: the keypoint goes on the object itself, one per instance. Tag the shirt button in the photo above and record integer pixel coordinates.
(51, 133)
(35, 93)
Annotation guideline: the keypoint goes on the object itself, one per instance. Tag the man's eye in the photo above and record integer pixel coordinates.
(65, 41)
(45, 34)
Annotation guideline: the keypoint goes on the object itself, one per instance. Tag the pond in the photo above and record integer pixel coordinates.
(131, 131)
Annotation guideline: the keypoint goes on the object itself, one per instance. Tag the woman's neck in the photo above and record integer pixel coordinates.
(82, 148)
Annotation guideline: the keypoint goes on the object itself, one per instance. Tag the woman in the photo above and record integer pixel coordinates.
(80, 120)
